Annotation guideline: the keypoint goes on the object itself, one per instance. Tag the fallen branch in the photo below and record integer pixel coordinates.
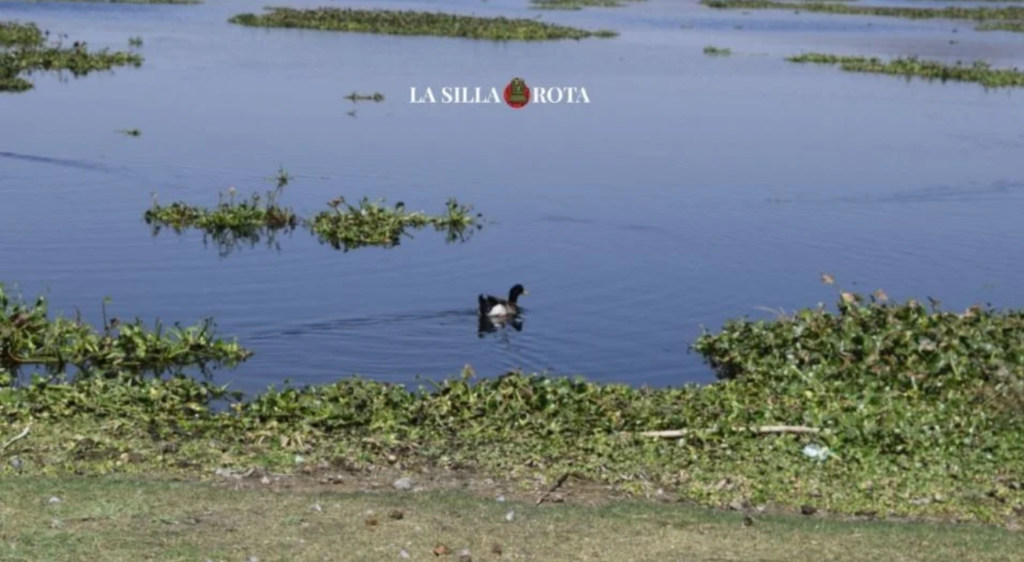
(21, 435)
(762, 430)
(558, 484)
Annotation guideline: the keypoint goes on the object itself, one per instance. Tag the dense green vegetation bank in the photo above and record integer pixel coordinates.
(893, 409)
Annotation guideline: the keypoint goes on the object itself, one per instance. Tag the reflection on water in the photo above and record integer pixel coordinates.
(635, 220)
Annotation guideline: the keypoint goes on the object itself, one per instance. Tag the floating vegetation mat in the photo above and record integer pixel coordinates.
(24, 50)
(979, 72)
(874, 408)
(1016, 26)
(376, 224)
(711, 50)
(29, 338)
(356, 96)
(344, 226)
(579, 4)
(392, 22)
(982, 13)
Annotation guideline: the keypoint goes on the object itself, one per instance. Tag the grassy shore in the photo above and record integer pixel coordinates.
(978, 72)
(392, 22)
(294, 519)
(874, 409)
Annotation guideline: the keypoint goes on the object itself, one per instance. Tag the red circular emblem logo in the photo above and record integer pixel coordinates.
(517, 93)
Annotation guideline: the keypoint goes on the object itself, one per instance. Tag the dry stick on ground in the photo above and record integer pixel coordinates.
(763, 430)
(21, 435)
(561, 480)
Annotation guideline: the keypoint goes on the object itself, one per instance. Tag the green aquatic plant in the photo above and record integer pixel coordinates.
(393, 22)
(979, 72)
(23, 50)
(1015, 26)
(283, 178)
(30, 338)
(234, 214)
(579, 4)
(9, 83)
(373, 223)
(131, 132)
(355, 96)
(15, 34)
(235, 220)
(717, 51)
(899, 357)
(135, 41)
(983, 13)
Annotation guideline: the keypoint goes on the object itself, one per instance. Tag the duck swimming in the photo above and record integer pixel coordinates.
(492, 306)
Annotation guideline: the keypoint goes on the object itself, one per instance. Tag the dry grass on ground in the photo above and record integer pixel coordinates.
(119, 518)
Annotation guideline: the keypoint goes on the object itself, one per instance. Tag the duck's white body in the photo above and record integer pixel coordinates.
(498, 310)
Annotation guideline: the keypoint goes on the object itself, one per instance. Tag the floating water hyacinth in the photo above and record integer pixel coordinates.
(578, 4)
(24, 49)
(408, 22)
(345, 226)
(979, 71)
(993, 18)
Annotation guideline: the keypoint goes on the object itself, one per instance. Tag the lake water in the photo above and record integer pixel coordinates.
(691, 190)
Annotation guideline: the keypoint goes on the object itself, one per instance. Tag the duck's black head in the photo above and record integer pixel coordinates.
(514, 293)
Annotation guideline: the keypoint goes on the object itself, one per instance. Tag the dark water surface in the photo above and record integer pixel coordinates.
(691, 190)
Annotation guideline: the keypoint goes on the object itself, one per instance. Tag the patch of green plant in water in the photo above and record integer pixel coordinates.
(23, 50)
(952, 12)
(343, 227)
(15, 34)
(135, 42)
(29, 338)
(979, 72)
(579, 4)
(394, 22)
(233, 220)
(921, 411)
(711, 50)
(13, 84)
(355, 96)
(1015, 26)
(376, 224)
(131, 132)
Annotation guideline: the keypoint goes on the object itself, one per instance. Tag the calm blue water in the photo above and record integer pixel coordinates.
(691, 190)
